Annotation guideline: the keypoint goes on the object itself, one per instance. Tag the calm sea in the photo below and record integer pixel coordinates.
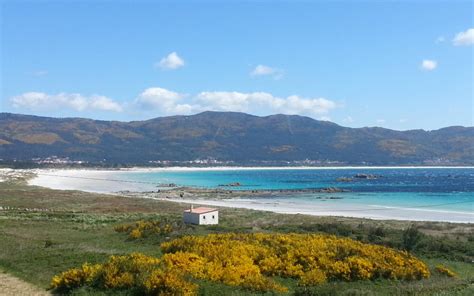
(442, 188)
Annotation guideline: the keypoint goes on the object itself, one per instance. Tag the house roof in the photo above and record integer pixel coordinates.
(200, 210)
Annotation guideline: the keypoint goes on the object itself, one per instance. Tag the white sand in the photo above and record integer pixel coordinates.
(329, 208)
(98, 181)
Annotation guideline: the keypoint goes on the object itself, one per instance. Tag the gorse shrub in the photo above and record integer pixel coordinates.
(445, 271)
(76, 277)
(143, 228)
(168, 283)
(235, 259)
(143, 273)
(246, 260)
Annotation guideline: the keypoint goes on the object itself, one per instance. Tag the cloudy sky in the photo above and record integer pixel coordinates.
(405, 65)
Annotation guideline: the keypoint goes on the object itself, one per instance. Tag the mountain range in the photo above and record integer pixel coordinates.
(229, 136)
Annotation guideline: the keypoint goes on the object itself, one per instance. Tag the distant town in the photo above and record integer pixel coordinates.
(57, 161)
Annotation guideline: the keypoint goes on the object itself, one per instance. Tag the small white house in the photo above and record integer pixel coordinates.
(201, 216)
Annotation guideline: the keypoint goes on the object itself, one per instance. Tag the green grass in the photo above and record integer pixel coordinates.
(79, 227)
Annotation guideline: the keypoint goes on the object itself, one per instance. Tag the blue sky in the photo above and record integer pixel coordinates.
(402, 65)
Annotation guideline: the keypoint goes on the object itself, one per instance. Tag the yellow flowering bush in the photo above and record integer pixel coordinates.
(445, 271)
(76, 277)
(313, 277)
(119, 272)
(246, 260)
(143, 228)
(234, 259)
(125, 271)
(168, 283)
(184, 262)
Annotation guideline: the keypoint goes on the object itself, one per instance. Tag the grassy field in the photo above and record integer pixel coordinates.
(44, 232)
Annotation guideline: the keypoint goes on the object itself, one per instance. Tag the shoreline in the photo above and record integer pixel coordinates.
(265, 200)
(275, 207)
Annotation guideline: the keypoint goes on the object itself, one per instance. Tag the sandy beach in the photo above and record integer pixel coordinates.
(97, 181)
(345, 210)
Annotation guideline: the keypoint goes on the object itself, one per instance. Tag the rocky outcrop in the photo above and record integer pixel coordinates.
(344, 179)
(366, 176)
(234, 184)
(332, 190)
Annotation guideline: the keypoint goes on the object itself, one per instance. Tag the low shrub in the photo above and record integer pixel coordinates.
(245, 260)
(142, 228)
(410, 238)
(445, 271)
(235, 258)
(134, 271)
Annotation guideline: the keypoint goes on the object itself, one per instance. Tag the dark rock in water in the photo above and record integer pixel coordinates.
(344, 179)
(366, 176)
(235, 184)
(328, 197)
(167, 185)
(333, 190)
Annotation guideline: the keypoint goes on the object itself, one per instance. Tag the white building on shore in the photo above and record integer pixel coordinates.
(201, 216)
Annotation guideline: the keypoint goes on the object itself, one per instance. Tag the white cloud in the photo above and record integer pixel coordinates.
(440, 39)
(380, 121)
(325, 118)
(257, 101)
(348, 119)
(226, 101)
(260, 103)
(262, 70)
(104, 103)
(171, 62)
(464, 38)
(429, 65)
(164, 100)
(167, 102)
(403, 120)
(298, 105)
(78, 102)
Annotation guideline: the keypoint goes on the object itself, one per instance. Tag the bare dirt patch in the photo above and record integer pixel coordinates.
(10, 285)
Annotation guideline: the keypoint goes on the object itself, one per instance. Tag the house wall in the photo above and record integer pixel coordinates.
(191, 218)
(209, 218)
(201, 219)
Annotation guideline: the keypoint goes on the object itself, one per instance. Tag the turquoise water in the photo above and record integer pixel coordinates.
(413, 180)
(454, 201)
(388, 180)
(430, 189)
(429, 194)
